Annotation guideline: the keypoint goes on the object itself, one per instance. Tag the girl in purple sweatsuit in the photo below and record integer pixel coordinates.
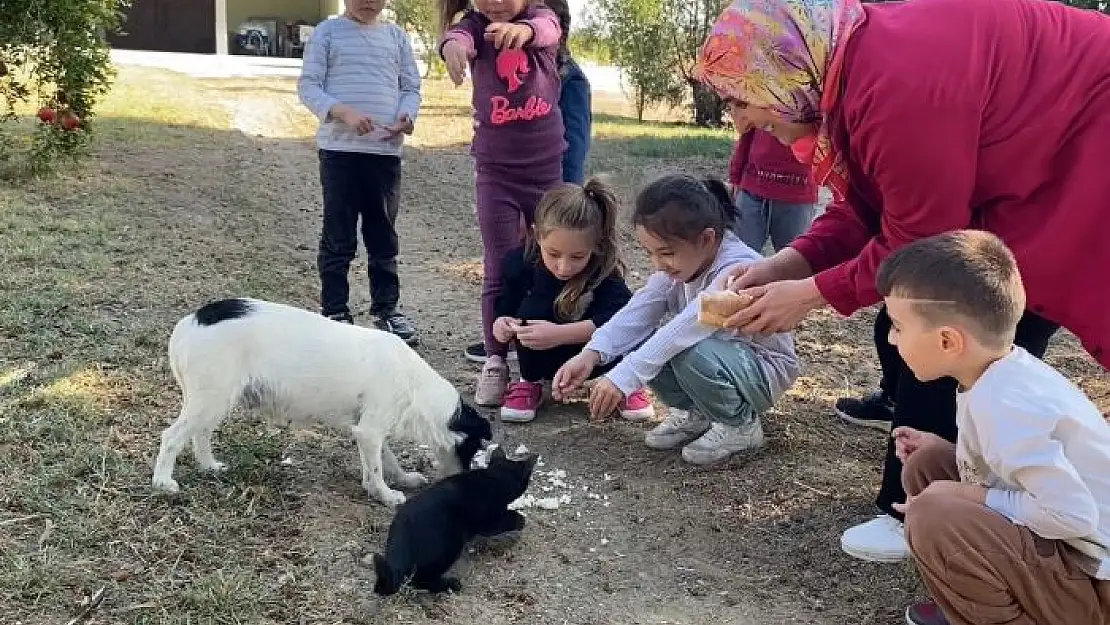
(512, 48)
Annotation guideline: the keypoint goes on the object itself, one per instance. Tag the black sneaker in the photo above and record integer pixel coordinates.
(925, 613)
(874, 411)
(476, 352)
(399, 325)
(341, 318)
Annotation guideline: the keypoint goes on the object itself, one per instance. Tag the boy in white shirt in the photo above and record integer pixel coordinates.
(1012, 523)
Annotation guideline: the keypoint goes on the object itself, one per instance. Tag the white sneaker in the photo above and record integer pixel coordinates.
(721, 441)
(680, 426)
(493, 381)
(882, 539)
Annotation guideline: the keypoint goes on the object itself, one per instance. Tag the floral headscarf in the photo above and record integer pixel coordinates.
(784, 55)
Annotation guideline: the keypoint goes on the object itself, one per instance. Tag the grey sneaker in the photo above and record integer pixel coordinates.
(680, 426)
(398, 324)
(721, 441)
(493, 381)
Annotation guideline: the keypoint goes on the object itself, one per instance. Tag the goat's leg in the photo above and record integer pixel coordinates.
(397, 476)
(202, 451)
(448, 463)
(371, 443)
(174, 439)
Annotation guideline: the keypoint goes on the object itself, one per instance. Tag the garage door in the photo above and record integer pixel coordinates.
(169, 26)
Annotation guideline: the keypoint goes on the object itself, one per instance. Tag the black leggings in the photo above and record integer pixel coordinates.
(931, 406)
(537, 366)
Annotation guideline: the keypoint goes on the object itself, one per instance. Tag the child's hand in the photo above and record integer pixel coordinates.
(508, 35)
(573, 374)
(605, 398)
(457, 57)
(903, 508)
(504, 328)
(947, 488)
(403, 125)
(908, 440)
(362, 124)
(539, 335)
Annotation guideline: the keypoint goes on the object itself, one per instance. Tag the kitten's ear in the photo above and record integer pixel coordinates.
(498, 453)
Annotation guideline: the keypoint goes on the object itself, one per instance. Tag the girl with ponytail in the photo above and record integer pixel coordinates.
(566, 282)
(717, 383)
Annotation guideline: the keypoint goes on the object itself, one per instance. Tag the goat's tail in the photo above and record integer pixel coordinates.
(178, 348)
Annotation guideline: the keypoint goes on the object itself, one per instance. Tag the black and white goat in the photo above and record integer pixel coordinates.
(300, 367)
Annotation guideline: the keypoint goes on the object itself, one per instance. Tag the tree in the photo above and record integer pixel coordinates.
(655, 43)
(53, 56)
(420, 17)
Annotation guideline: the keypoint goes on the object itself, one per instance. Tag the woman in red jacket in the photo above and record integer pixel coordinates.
(924, 117)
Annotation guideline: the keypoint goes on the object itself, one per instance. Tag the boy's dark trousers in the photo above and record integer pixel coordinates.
(368, 186)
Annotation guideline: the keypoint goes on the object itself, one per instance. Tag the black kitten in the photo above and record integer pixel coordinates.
(430, 530)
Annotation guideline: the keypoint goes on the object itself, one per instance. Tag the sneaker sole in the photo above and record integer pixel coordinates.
(638, 415)
(909, 619)
(882, 426)
(673, 443)
(874, 557)
(509, 415)
(692, 457)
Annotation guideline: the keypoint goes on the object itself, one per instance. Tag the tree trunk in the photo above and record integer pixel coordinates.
(708, 107)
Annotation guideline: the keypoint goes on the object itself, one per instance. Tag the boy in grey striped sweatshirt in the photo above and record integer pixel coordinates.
(361, 81)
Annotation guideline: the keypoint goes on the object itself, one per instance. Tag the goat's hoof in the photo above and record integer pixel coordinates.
(412, 480)
(168, 485)
(391, 498)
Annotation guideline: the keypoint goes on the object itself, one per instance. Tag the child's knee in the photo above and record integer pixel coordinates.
(933, 523)
(927, 465)
(699, 360)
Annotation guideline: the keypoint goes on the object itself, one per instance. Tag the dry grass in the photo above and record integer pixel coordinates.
(180, 207)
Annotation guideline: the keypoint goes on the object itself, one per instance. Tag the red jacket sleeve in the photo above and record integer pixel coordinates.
(922, 160)
(739, 158)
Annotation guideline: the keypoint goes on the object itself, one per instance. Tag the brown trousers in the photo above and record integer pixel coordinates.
(984, 570)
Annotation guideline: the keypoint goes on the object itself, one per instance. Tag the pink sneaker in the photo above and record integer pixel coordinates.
(521, 402)
(493, 379)
(637, 407)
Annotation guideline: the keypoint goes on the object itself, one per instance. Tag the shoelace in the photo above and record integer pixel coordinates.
(714, 435)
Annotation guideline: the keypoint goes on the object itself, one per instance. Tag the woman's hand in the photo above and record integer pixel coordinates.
(787, 264)
(539, 335)
(605, 398)
(504, 328)
(507, 35)
(456, 56)
(573, 374)
(778, 307)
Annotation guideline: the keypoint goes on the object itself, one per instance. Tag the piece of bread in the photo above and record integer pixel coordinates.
(717, 307)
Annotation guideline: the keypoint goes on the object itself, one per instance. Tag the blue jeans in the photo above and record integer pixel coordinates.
(721, 379)
(759, 218)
